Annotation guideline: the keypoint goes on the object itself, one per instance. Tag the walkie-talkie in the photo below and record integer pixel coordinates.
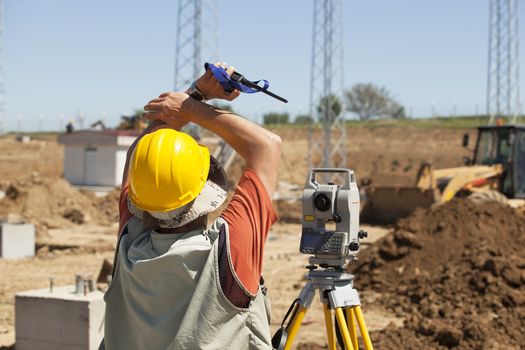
(239, 82)
(241, 79)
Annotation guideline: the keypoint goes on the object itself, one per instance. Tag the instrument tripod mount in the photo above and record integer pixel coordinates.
(337, 293)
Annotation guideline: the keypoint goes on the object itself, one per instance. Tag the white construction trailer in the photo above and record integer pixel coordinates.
(96, 158)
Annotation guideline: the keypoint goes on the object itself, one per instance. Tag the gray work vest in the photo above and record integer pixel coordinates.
(166, 294)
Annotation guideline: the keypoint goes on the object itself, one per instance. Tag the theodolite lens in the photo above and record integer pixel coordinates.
(322, 202)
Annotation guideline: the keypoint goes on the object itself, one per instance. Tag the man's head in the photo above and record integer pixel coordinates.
(174, 179)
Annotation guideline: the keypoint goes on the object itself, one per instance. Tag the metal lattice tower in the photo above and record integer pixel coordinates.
(2, 92)
(196, 40)
(503, 92)
(326, 87)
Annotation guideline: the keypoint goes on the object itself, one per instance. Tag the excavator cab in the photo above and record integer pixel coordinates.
(504, 145)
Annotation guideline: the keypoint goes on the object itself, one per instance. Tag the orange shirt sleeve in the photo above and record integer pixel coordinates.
(249, 215)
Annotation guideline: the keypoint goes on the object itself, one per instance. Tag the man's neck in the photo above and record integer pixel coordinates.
(195, 224)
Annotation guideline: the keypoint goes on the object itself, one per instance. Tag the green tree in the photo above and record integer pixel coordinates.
(398, 112)
(275, 118)
(329, 108)
(303, 119)
(371, 101)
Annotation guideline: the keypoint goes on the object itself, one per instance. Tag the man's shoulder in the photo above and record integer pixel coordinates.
(213, 231)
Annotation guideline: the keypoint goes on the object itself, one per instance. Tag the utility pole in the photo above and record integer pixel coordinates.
(326, 87)
(196, 39)
(503, 91)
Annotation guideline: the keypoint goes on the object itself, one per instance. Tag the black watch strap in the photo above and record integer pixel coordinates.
(194, 92)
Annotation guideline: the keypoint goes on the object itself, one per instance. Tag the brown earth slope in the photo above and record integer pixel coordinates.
(387, 156)
(457, 273)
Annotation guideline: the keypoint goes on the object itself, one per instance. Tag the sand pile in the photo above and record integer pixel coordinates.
(50, 202)
(456, 272)
(106, 207)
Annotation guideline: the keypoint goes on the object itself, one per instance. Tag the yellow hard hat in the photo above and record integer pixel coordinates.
(167, 170)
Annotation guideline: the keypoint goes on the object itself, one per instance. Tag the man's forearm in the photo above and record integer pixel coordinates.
(259, 147)
(244, 136)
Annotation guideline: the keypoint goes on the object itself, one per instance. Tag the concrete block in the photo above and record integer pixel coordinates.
(59, 320)
(17, 240)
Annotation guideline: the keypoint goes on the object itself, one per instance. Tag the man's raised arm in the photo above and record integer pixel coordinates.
(260, 148)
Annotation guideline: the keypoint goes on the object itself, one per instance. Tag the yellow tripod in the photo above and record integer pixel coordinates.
(337, 293)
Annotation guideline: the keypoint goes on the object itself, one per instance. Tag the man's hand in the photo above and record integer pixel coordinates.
(169, 105)
(210, 87)
(168, 108)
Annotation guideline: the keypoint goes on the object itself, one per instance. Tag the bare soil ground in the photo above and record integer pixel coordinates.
(456, 272)
(387, 156)
(76, 231)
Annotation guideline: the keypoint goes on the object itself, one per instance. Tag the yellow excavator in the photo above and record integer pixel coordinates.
(134, 122)
(495, 173)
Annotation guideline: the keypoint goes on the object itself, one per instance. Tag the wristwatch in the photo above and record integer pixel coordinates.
(194, 92)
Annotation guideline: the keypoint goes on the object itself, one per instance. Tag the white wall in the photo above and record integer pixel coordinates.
(74, 164)
(99, 166)
(120, 163)
(101, 170)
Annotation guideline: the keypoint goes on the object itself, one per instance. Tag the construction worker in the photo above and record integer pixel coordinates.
(178, 284)
(70, 126)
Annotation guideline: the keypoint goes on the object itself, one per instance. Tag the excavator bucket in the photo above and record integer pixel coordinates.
(384, 205)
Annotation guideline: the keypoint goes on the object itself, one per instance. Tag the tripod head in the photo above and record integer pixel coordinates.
(330, 203)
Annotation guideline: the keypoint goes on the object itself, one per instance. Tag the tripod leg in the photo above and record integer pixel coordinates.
(294, 325)
(362, 328)
(330, 331)
(350, 319)
(343, 328)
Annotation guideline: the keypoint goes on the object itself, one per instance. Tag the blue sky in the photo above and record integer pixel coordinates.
(97, 58)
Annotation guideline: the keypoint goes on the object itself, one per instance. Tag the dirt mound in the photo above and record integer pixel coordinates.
(456, 272)
(47, 202)
(106, 207)
(18, 159)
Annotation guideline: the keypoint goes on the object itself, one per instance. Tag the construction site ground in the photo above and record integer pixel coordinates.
(400, 266)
